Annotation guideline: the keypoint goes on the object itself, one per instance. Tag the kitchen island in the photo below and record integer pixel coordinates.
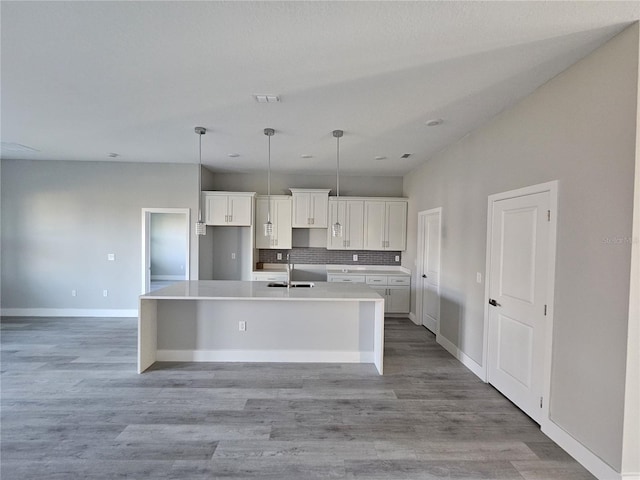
(237, 321)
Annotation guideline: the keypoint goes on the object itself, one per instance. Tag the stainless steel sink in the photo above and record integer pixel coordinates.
(293, 284)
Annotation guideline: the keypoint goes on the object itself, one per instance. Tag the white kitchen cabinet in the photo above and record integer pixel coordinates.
(228, 208)
(280, 218)
(350, 214)
(395, 289)
(267, 276)
(310, 208)
(385, 224)
(340, 278)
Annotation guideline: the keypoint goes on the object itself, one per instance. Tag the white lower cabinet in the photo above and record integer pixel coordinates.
(395, 289)
(269, 277)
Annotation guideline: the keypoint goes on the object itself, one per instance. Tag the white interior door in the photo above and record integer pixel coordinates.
(429, 268)
(519, 252)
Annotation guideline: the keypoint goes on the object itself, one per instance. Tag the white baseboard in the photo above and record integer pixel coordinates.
(167, 277)
(467, 361)
(413, 318)
(582, 454)
(294, 356)
(68, 312)
(631, 476)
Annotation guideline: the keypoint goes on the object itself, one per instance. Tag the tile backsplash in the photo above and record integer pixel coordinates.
(322, 256)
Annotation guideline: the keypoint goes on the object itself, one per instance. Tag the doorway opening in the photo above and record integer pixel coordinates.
(165, 247)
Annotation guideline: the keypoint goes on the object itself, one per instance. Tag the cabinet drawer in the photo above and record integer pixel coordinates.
(376, 279)
(346, 278)
(394, 280)
(269, 277)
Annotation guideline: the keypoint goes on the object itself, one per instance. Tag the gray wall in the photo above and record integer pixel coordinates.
(580, 129)
(280, 183)
(61, 219)
(168, 245)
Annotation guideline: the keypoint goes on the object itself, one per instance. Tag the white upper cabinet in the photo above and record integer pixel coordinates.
(350, 214)
(385, 224)
(228, 208)
(310, 208)
(280, 218)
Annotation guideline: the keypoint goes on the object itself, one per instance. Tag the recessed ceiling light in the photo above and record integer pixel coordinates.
(380, 157)
(261, 98)
(233, 155)
(306, 155)
(434, 123)
(406, 155)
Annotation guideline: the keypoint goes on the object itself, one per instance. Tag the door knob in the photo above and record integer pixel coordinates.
(424, 276)
(492, 302)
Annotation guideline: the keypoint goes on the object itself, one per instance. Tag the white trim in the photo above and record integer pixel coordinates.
(69, 312)
(582, 454)
(462, 357)
(552, 188)
(166, 277)
(297, 356)
(146, 221)
(413, 318)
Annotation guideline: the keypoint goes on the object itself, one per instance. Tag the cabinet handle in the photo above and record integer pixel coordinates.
(312, 221)
(230, 218)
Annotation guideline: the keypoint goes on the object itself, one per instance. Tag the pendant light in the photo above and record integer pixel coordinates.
(201, 228)
(268, 227)
(336, 228)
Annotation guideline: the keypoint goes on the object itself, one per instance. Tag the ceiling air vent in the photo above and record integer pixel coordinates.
(267, 98)
(406, 155)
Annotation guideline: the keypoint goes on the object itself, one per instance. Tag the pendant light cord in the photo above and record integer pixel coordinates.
(200, 177)
(338, 168)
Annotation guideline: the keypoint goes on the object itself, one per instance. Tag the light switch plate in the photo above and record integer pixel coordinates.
(111, 257)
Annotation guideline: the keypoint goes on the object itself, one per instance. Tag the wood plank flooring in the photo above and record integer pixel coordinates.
(73, 407)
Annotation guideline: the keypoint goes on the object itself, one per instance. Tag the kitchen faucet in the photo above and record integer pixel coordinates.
(289, 270)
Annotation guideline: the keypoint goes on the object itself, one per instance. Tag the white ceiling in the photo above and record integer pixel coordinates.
(80, 80)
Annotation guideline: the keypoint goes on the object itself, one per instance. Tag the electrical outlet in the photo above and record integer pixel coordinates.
(105, 293)
(242, 326)
(478, 277)
(233, 256)
(397, 258)
(279, 256)
(355, 257)
(74, 293)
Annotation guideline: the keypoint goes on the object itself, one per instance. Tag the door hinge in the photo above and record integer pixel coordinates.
(545, 310)
(540, 402)
(548, 215)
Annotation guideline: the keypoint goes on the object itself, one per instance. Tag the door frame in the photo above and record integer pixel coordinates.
(146, 239)
(422, 216)
(552, 188)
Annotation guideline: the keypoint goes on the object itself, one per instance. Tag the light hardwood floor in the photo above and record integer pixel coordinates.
(73, 407)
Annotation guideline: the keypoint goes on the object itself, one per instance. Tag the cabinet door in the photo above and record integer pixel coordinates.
(318, 209)
(396, 220)
(215, 209)
(382, 291)
(398, 300)
(374, 225)
(239, 210)
(301, 217)
(262, 241)
(354, 224)
(282, 225)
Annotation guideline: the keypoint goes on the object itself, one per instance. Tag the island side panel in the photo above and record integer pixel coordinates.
(276, 331)
(147, 333)
(378, 340)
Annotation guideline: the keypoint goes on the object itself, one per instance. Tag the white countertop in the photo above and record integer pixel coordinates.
(342, 269)
(229, 290)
